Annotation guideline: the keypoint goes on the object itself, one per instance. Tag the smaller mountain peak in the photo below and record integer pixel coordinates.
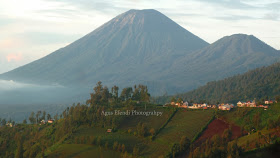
(142, 10)
(240, 36)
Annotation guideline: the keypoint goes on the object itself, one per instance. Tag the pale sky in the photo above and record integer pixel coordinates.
(31, 29)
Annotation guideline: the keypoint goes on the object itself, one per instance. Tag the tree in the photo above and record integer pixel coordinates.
(19, 151)
(3, 122)
(106, 145)
(227, 135)
(32, 118)
(126, 93)
(43, 116)
(257, 120)
(115, 93)
(123, 148)
(152, 131)
(24, 121)
(179, 100)
(49, 116)
(277, 98)
(135, 151)
(184, 143)
(38, 116)
(115, 146)
(173, 99)
(175, 150)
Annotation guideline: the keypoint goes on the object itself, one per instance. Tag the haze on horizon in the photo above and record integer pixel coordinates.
(35, 28)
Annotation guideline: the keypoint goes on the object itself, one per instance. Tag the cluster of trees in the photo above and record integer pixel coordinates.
(3, 122)
(103, 97)
(38, 117)
(179, 148)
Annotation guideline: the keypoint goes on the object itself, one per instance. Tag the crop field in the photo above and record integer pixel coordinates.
(82, 151)
(184, 123)
(129, 140)
(151, 121)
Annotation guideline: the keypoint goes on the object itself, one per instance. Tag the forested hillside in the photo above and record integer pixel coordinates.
(261, 83)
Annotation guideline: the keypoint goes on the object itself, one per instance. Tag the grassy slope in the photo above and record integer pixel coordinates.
(150, 121)
(184, 123)
(271, 113)
(82, 151)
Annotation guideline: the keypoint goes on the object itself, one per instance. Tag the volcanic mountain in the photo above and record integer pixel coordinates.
(226, 57)
(134, 47)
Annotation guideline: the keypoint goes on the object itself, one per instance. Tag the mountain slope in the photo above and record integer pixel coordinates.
(226, 57)
(257, 83)
(133, 47)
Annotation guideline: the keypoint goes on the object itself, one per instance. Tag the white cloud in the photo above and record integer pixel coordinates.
(12, 85)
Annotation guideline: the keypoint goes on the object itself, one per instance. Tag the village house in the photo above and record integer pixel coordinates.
(268, 102)
(263, 106)
(184, 105)
(201, 106)
(9, 124)
(247, 104)
(253, 104)
(109, 130)
(225, 106)
(43, 122)
(50, 121)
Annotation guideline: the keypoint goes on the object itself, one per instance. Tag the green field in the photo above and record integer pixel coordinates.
(239, 115)
(82, 151)
(150, 121)
(183, 123)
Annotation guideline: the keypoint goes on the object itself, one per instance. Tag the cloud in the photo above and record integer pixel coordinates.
(9, 43)
(47, 38)
(231, 4)
(14, 57)
(10, 85)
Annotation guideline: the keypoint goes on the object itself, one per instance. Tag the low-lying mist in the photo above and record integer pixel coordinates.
(18, 100)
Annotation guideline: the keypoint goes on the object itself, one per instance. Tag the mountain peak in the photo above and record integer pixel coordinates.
(239, 36)
(139, 18)
(142, 11)
(143, 39)
(243, 41)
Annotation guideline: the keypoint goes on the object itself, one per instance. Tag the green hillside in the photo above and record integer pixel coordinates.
(260, 83)
(97, 130)
(82, 130)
